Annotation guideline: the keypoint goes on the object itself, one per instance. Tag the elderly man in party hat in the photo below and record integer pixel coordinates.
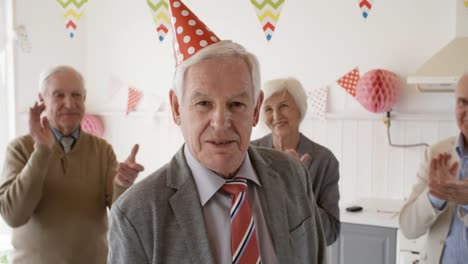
(218, 200)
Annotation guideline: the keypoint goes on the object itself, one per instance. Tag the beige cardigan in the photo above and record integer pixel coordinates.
(418, 216)
(57, 202)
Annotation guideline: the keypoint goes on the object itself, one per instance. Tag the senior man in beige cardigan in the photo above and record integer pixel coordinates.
(439, 201)
(58, 180)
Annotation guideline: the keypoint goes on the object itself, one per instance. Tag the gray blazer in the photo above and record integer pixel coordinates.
(324, 176)
(160, 219)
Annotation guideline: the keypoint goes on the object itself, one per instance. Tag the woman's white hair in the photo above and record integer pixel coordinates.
(224, 48)
(292, 86)
(46, 74)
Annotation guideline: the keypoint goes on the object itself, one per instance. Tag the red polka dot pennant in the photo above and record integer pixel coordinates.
(190, 33)
(349, 81)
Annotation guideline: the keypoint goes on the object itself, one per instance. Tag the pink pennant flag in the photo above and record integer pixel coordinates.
(134, 96)
(318, 101)
(349, 81)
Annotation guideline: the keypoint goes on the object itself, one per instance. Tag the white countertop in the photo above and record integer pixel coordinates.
(376, 212)
(381, 213)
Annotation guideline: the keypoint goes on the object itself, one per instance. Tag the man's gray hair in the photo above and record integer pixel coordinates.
(46, 74)
(225, 48)
(292, 86)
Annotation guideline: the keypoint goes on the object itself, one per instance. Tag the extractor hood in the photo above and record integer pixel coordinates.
(442, 71)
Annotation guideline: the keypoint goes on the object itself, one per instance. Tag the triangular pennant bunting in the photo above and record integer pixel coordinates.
(366, 6)
(134, 95)
(349, 81)
(268, 13)
(318, 101)
(161, 17)
(73, 10)
(466, 3)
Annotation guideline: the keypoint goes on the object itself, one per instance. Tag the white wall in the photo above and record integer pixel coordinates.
(315, 41)
(3, 91)
(50, 46)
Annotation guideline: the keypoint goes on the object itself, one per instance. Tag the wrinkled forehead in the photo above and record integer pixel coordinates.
(231, 72)
(64, 81)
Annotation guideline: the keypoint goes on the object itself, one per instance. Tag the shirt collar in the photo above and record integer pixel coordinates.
(208, 182)
(58, 135)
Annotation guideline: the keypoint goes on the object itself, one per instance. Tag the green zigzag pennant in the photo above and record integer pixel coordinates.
(73, 10)
(268, 13)
(77, 3)
(161, 17)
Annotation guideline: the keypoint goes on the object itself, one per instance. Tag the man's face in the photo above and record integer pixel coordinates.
(461, 94)
(217, 112)
(281, 114)
(64, 99)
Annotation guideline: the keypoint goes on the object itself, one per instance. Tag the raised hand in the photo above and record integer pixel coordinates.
(128, 170)
(39, 128)
(443, 182)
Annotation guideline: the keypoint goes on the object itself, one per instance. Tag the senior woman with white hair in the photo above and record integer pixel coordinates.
(284, 108)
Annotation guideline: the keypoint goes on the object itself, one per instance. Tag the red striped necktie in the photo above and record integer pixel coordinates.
(244, 245)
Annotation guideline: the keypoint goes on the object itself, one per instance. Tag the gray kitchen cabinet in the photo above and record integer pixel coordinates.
(373, 235)
(362, 244)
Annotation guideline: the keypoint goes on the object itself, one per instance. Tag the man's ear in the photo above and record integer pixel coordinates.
(175, 107)
(257, 108)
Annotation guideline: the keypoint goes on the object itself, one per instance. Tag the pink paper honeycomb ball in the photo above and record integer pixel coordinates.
(378, 90)
(92, 124)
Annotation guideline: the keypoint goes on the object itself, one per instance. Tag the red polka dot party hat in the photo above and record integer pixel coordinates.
(190, 33)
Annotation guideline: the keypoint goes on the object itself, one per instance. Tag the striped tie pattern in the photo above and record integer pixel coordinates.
(244, 245)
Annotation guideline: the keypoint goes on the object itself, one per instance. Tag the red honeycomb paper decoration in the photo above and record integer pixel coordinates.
(92, 124)
(378, 90)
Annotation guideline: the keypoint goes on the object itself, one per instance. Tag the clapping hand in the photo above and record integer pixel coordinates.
(39, 128)
(443, 182)
(128, 170)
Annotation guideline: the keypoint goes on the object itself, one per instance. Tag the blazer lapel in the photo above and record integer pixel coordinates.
(188, 211)
(273, 205)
